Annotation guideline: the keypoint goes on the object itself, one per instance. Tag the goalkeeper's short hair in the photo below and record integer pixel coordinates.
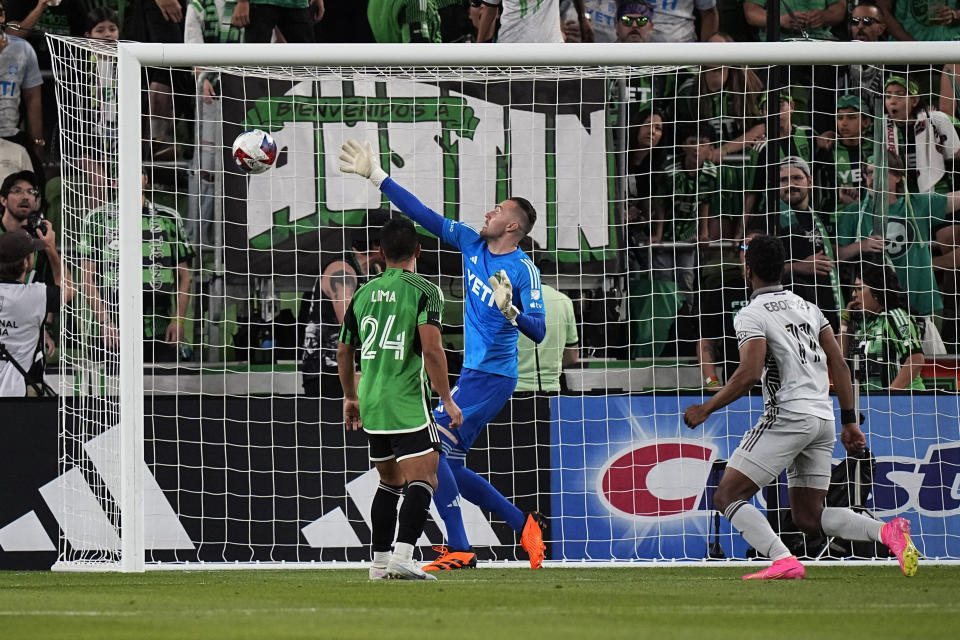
(529, 212)
(398, 239)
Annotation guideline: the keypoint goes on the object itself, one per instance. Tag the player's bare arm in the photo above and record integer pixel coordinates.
(851, 436)
(435, 362)
(753, 354)
(348, 380)
(488, 22)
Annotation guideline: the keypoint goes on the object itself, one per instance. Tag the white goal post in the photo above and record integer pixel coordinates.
(128, 495)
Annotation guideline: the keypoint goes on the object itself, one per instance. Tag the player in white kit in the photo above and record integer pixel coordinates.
(788, 345)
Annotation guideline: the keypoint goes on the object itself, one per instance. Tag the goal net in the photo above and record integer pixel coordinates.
(202, 414)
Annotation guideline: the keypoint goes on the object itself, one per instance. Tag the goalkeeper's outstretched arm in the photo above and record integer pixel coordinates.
(362, 160)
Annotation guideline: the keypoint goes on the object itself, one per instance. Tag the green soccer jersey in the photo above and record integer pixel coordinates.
(539, 365)
(797, 6)
(680, 194)
(284, 4)
(716, 109)
(837, 169)
(917, 17)
(723, 186)
(906, 230)
(404, 20)
(213, 20)
(883, 344)
(382, 322)
(644, 92)
(164, 247)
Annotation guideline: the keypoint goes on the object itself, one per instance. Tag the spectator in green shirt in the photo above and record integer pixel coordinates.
(879, 333)
(404, 20)
(927, 20)
(540, 365)
(912, 220)
(166, 275)
(799, 19)
(806, 20)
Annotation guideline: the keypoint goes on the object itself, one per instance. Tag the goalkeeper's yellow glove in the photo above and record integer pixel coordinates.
(362, 160)
(503, 295)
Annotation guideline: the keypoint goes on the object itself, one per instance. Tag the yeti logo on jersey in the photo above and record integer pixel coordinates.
(852, 176)
(478, 288)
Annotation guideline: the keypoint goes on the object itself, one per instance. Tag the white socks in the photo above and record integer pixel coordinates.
(849, 525)
(403, 551)
(755, 529)
(380, 559)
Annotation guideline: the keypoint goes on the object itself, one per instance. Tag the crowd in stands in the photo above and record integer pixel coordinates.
(698, 167)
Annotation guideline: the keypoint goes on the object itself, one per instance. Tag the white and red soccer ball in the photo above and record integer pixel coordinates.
(254, 151)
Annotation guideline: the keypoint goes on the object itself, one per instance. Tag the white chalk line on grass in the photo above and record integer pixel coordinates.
(109, 613)
(684, 609)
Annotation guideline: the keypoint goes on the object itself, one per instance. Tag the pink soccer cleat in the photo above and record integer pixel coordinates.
(896, 535)
(783, 569)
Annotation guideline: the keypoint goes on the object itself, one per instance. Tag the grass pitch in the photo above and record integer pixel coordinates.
(631, 602)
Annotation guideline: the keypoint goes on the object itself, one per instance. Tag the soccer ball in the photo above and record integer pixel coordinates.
(254, 151)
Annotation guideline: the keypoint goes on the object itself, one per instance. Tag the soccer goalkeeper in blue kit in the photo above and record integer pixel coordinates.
(502, 296)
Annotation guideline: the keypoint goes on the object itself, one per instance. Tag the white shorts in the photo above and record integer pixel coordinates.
(800, 443)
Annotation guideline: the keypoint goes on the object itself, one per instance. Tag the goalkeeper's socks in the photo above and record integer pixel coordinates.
(849, 525)
(383, 516)
(756, 530)
(481, 493)
(447, 499)
(413, 513)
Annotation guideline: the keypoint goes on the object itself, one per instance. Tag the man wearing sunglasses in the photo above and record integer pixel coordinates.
(634, 22)
(866, 25)
(866, 22)
(20, 207)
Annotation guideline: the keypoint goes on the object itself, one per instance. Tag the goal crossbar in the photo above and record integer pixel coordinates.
(529, 54)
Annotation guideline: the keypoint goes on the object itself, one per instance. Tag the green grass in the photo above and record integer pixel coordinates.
(662, 603)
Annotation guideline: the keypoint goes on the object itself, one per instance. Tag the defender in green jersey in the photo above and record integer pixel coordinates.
(394, 321)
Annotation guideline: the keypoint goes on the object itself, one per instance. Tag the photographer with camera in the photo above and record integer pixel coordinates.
(20, 200)
(23, 307)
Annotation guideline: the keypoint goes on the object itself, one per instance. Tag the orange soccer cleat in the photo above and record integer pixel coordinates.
(450, 560)
(532, 539)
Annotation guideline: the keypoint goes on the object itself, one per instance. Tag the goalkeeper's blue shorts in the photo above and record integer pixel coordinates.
(480, 397)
